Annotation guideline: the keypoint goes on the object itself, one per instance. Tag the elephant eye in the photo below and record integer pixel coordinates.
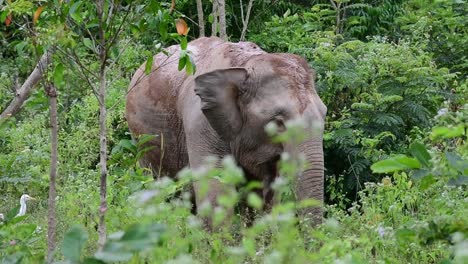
(279, 122)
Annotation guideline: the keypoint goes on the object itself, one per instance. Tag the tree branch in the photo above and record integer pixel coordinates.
(245, 22)
(23, 93)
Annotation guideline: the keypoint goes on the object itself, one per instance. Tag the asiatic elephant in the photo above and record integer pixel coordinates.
(222, 110)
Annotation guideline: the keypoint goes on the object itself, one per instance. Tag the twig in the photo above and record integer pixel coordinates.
(246, 21)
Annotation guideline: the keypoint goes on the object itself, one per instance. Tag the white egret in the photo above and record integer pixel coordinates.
(23, 200)
(22, 210)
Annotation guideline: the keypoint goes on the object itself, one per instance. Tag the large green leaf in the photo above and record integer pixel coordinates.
(254, 200)
(457, 162)
(88, 43)
(73, 243)
(182, 62)
(121, 246)
(447, 132)
(75, 12)
(419, 151)
(397, 163)
(114, 256)
(144, 138)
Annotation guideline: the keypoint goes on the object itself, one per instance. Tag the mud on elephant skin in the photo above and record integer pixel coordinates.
(223, 109)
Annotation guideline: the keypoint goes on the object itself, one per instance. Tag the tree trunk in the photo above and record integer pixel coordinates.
(102, 128)
(214, 26)
(201, 20)
(23, 93)
(245, 22)
(51, 237)
(222, 19)
(337, 8)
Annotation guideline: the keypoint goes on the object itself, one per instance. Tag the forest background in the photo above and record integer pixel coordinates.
(391, 72)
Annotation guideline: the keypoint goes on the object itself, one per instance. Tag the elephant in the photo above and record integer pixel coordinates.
(223, 109)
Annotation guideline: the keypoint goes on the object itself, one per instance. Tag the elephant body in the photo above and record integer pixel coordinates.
(222, 110)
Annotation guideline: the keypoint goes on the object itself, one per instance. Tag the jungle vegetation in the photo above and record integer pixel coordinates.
(391, 72)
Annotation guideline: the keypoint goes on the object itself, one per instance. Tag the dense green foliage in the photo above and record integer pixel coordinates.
(396, 165)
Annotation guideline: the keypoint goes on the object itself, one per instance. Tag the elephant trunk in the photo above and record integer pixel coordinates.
(310, 181)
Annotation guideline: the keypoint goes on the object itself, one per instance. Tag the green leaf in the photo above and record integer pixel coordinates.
(183, 43)
(426, 182)
(135, 29)
(306, 203)
(88, 43)
(163, 30)
(20, 47)
(58, 75)
(91, 260)
(3, 16)
(73, 243)
(397, 163)
(182, 62)
(210, 18)
(253, 185)
(12, 213)
(447, 132)
(24, 231)
(121, 246)
(114, 256)
(418, 174)
(189, 67)
(255, 201)
(14, 258)
(149, 64)
(16, 219)
(457, 162)
(128, 145)
(145, 138)
(459, 180)
(75, 13)
(419, 151)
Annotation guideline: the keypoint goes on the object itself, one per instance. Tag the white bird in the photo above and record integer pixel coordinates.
(23, 200)
(22, 210)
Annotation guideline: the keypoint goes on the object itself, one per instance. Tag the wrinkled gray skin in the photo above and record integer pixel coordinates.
(223, 109)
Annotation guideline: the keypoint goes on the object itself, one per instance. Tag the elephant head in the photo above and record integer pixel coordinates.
(239, 102)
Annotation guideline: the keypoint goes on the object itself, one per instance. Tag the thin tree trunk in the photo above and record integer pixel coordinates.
(245, 22)
(214, 26)
(201, 20)
(52, 228)
(23, 93)
(222, 19)
(337, 7)
(102, 128)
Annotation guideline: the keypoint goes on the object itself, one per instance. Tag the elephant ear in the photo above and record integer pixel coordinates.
(218, 91)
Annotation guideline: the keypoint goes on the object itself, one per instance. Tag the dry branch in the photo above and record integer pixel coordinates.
(245, 22)
(23, 93)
